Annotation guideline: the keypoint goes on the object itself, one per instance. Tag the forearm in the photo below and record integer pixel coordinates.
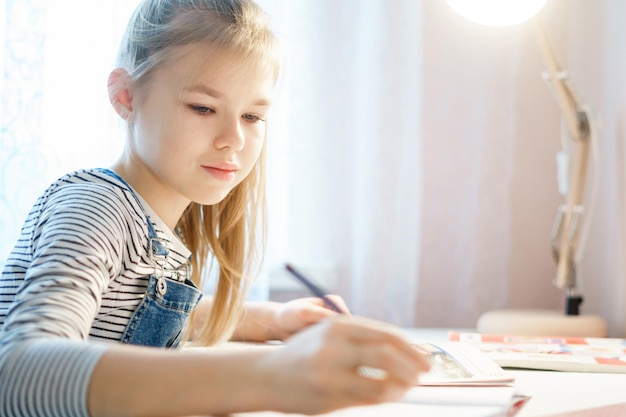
(316, 367)
(138, 381)
(257, 322)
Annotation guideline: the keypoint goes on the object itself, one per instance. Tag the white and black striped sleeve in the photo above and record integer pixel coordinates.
(77, 237)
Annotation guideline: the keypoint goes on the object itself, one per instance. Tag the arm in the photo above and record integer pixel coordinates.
(267, 320)
(46, 376)
(61, 266)
(317, 367)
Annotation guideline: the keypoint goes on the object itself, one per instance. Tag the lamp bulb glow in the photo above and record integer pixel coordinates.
(497, 12)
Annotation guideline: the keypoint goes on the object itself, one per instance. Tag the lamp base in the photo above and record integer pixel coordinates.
(541, 323)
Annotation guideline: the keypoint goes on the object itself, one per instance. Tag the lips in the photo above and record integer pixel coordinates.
(222, 171)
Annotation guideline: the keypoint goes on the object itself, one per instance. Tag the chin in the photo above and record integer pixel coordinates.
(210, 200)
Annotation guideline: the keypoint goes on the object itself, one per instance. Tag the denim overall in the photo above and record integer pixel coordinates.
(161, 318)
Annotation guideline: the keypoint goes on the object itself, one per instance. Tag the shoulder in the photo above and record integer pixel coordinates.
(89, 213)
(87, 183)
(90, 203)
(92, 193)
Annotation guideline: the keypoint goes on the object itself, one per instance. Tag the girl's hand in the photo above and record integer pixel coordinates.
(270, 320)
(319, 367)
(292, 316)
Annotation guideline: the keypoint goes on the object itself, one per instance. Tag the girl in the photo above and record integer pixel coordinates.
(117, 255)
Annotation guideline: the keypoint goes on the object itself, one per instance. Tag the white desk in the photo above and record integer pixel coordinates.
(562, 392)
(553, 393)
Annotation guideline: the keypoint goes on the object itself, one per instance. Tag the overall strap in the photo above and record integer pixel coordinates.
(158, 251)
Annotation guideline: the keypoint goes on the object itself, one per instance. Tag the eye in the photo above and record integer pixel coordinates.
(252, 118)
(202, 109)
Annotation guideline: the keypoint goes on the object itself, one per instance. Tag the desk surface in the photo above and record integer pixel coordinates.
(562, 392)
(553, 393)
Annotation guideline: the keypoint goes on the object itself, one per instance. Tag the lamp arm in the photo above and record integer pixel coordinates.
(565, 97)
(578, 127)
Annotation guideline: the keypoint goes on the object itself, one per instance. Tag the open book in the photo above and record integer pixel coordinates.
(465, 400)
(463, 381)
(460, 364)
(573, 354)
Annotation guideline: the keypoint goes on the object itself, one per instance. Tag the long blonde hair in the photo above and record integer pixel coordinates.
(233, 231)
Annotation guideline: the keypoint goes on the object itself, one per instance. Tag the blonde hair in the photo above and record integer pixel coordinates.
(233, 230)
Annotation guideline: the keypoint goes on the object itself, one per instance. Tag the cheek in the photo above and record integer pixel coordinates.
(258, 147)
(252, 152)
(254, 144)
(157, 146)
(156, 132)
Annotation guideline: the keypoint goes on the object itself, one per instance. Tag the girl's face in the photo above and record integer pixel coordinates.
(198, 129)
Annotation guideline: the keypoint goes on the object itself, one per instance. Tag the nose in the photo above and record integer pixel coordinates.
(230, 134)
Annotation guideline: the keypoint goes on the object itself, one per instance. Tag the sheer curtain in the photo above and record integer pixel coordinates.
(54, 110)
(345, 151)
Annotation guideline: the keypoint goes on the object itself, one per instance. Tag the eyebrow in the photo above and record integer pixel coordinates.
(200, 88)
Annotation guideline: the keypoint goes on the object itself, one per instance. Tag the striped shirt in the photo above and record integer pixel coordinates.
(73, 280)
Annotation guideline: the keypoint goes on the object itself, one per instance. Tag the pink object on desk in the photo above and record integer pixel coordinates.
(615, 410)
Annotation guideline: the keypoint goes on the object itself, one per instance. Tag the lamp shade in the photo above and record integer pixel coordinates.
(497, 12)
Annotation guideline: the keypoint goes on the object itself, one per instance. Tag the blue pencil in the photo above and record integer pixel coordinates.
(314, 289)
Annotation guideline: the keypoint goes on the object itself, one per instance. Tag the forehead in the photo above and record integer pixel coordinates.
(198, 64)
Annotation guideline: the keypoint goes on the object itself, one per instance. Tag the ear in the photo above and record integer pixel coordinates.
(120, 94)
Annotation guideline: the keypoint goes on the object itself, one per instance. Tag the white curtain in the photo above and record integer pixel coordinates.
(412, 153)
(345, 152)
(54, 110)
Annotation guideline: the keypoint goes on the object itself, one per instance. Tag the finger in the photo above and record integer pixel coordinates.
(366, 390)
(314, 309)
(312, 314)
(387, 362)
(311, 302)
(339, 301)
(372, 332)
(351, 387)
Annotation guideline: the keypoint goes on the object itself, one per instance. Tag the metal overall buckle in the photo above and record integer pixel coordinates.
(158, 255)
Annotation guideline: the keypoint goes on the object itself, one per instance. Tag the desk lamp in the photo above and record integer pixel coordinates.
(565, 234)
